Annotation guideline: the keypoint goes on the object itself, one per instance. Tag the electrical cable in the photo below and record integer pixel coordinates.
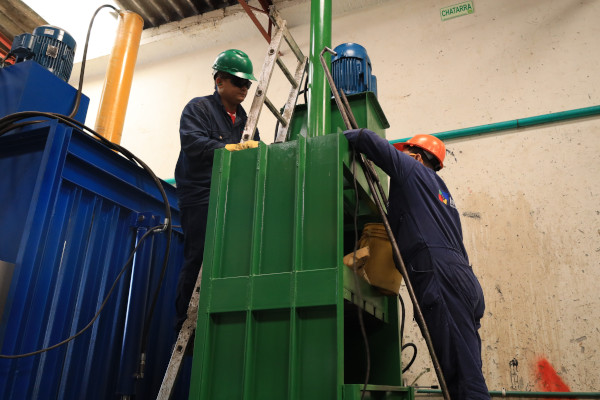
(83, 61)
(305, 78)
(112, 288)
(305, 91)
(360, 301)
(17, 125)
(407, 345)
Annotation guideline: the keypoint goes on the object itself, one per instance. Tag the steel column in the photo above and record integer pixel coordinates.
(319, 106)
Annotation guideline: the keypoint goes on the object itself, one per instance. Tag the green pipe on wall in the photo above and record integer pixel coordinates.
(502, 126)
(516, 123)
(543, 395)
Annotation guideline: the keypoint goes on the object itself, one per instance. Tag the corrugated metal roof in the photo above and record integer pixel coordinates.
(17, 18)
(159, 12)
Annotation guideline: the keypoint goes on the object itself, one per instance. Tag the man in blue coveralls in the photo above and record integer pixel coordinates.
(207, 123)
(427, 229)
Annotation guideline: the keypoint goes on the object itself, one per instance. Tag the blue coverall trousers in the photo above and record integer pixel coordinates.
(193, 224)
(452, 304)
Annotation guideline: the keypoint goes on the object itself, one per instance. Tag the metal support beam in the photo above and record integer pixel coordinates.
(250, 11)
(5, 45)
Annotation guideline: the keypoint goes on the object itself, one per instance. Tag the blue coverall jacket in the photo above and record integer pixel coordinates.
(427, 228)
(204, 127)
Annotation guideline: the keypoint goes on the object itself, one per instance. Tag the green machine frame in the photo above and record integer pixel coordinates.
(278, 312)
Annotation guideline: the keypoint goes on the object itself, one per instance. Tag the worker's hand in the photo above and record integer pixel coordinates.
(250, 144)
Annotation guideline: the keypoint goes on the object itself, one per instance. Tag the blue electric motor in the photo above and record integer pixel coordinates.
(351, 69)
(51, 47)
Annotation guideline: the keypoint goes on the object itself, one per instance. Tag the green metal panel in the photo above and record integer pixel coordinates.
(365, 107)
(277, 313)
(368, 114)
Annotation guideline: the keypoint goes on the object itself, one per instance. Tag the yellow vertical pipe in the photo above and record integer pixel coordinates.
(117, 84)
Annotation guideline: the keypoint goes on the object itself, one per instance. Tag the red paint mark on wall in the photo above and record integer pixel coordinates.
(548, 379)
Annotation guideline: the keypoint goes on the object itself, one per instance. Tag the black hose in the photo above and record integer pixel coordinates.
(83, 61)
(407, 345)
(360, 298)
(89, 325)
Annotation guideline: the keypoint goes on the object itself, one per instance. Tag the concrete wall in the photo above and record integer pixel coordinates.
(528, 201)
(529, 197)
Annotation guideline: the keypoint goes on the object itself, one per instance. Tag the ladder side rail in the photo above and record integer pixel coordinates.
(281, 23)
(288, 111)
(181, 345)
(263, 83)
(287, 73)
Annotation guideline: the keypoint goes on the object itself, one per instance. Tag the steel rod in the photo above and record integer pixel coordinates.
(417, 309)
(367, 162)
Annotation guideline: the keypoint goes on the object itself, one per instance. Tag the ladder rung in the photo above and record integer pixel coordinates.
(288, 111)
(287, 73)
(260, 96)
(275, 112)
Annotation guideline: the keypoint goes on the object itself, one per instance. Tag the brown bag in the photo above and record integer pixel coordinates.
(375, 262)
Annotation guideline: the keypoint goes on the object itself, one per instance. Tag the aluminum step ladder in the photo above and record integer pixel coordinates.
(186, 334)
(260, 97)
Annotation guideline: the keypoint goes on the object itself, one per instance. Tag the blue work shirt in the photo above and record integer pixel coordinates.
(422, 213)
(204, 127)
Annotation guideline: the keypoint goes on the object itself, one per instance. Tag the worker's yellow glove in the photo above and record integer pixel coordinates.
(250, 144)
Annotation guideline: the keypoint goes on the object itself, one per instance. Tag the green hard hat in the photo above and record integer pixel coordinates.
(234, 62)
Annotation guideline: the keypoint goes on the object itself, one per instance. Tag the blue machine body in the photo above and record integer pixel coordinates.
(72, 212)
(51, 47)
(351, 69)
(28, 86)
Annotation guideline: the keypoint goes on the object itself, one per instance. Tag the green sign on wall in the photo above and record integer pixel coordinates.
(457, 10)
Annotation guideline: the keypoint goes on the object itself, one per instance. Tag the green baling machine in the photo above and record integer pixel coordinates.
(277, 317)
(278, 311)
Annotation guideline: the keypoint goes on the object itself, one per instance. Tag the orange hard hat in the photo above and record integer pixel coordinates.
(430, 144)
